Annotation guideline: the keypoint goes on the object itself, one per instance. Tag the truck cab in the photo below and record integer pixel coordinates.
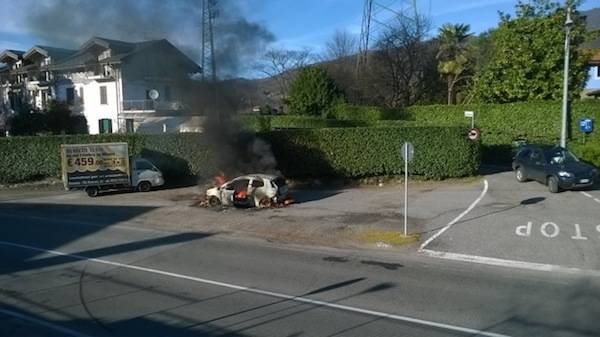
(145, 175)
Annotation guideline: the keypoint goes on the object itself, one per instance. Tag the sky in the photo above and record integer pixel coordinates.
(295, 24)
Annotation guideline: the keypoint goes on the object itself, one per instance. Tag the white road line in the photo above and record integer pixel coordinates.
(460, 216)
(597, 200)
(40, 322)
(268, 293)
(81, 223)
(509, 263)
(587, 194)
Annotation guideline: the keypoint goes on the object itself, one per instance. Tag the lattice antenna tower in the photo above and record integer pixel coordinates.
(208, 62)
(365, 31)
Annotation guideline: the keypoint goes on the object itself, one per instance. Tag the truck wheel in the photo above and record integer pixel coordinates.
(92, 191)
(553, 185)
(214, 201)
(144, 186)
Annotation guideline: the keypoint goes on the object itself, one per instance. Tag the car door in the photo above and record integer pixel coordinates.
(536, 166)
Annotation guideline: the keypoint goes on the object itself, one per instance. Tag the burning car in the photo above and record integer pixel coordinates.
(255, 190)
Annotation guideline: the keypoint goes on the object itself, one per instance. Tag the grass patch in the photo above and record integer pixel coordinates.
(392, 238)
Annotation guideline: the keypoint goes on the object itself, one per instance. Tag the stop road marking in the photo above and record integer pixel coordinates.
(551, 230)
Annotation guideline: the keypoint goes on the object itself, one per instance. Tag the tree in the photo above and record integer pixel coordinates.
(403, 64)
(57, 120)
(454, 56)
(339, 60)
(313, 93)
(341, 45)
(282, 64)
(60, 120)
(527, 56)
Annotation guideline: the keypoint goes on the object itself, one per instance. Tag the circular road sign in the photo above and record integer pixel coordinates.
(407, 152)
(474, 134)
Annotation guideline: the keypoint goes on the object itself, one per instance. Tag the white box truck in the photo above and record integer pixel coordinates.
(106, 166)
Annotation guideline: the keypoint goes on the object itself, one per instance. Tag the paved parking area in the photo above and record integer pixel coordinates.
(523, 222)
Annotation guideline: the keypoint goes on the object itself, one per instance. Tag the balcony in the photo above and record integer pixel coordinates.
(144, 106)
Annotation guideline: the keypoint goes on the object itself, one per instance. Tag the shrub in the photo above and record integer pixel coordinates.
(313, 93)
(440, 152)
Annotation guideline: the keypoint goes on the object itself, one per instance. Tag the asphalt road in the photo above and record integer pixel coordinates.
(121, 281)
(524, 222)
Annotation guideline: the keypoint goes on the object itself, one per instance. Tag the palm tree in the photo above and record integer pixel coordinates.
(453, 55)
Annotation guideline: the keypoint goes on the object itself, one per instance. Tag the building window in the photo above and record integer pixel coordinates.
(129, 125)
(103, 97)
(81, 95)
(105, 125)
(167, 93)
(70, 96)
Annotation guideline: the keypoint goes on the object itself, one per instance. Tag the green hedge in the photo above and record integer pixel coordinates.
(179, 156)
(257, 123)
(364, 113)
(502, 124)
(589, 152)
(440, 152)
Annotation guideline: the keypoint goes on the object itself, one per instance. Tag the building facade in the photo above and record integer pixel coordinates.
(118, 86)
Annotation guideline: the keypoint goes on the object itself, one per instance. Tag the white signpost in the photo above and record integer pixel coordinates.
(407, 153)
(471, 114)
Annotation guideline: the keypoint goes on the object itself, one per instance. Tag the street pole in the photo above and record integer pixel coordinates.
(405, 190)
(563, 129)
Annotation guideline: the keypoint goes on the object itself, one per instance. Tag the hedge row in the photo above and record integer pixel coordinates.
(589, 152)
(179, 156)
(440, 152)
(257, 123)
(504, 123)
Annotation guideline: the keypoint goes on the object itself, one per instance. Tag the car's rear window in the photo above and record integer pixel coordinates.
(279, 182)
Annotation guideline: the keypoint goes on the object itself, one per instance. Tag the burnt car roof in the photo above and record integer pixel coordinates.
(260, 176)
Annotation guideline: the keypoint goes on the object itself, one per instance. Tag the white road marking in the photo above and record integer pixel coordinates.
(597, 200)
(40, 322)
(459, 217)
(268, 293)
(587, 194)
(510, 263)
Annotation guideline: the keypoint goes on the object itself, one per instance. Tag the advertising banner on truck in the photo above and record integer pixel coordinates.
(95, 164)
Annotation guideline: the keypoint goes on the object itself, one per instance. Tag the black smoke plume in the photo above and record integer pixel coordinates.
(69, 23)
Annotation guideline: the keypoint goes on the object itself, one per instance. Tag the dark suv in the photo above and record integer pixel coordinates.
(554, 166)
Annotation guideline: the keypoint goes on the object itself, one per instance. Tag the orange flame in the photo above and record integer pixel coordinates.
(220, 179)
(240, 195)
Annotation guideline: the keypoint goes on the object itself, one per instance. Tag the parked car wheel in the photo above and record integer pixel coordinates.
(553, 185)
(92, 191)
(521, 175)
(144, 186)
(214, 201)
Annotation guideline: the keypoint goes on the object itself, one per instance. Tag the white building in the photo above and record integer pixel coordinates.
(114, 84)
